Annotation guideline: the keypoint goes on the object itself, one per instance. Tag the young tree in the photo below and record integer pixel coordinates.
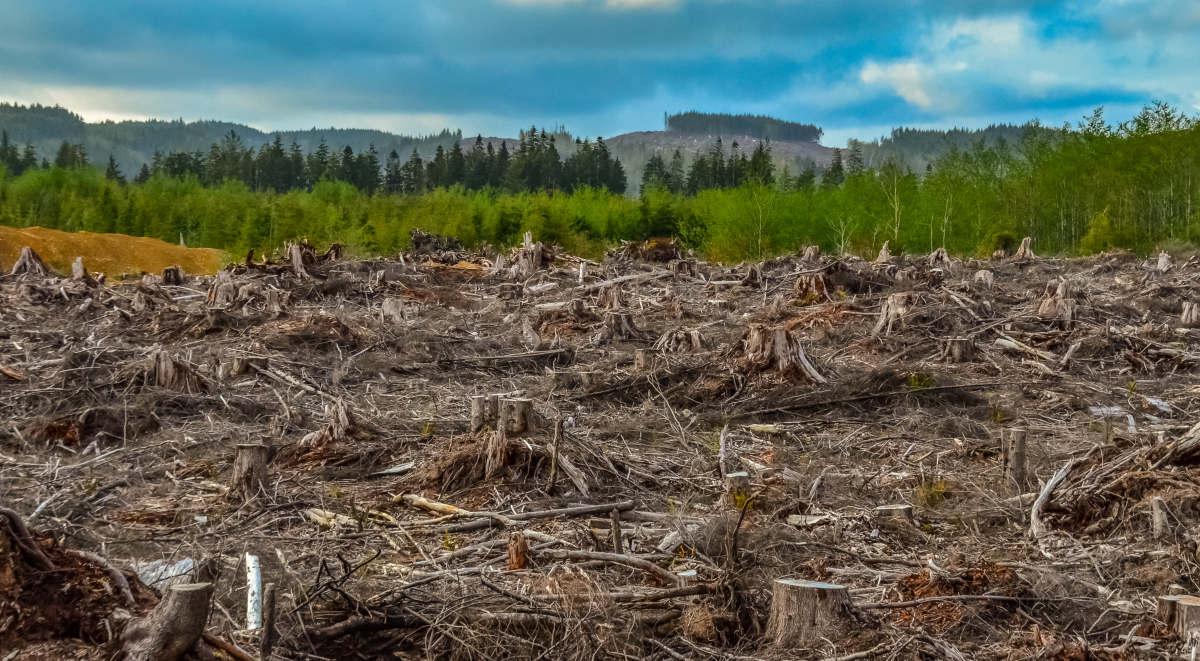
(834, 175)
(113, 173)
(393, 179)
(676, 179)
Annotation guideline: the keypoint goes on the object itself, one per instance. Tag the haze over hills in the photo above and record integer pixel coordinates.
(133, 143)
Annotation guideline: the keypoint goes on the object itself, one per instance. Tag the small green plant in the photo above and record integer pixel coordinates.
(930, 493)
(1132, 387)
(920, 381)
(742, 499)
(335, 492)
(449, 542)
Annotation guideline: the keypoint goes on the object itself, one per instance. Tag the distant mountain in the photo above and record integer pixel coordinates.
(920, 147)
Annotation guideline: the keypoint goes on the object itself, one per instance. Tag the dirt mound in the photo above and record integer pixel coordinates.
(115, 255)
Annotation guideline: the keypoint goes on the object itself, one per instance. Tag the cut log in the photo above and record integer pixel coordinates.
(516, 416)
(775, 348)
(985, 278)
(891, 314)
(904, 512)
(173, 627)
(1012, 450)
(804, 613)
(250, 471)
(518, 551)
(959, 350)
(617, 326)
(885, 256)
(1025, 252)
(30, 264)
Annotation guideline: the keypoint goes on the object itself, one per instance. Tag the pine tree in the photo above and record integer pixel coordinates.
(676, 178)
(760, 168)
(412, 174)
(854, 162)
(435, 173)
(834, 175)
(143, 175)
(113, 173)
(807, 179)
(456, 166)
(393, 179)
(499, 173)
(29, 160)
(319, 163)
(655, 174)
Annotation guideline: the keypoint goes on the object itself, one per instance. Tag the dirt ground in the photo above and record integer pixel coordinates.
(1032, 419)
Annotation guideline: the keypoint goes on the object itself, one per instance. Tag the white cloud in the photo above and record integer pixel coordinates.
(906, 78)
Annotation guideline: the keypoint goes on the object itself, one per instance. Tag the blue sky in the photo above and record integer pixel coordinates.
(601, 67)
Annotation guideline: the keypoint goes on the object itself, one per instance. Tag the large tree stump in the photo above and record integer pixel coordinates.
(1164, 262)
(497, 453)
(680, 341)
(250, 471)
(681, 267)
(173, 275)
(296, 255)
(811, 254)
(805, 612)
(1158, 517)
(754, 277)
(1180, 614)
(959, 350)
(811, 289)
(611, 297)
(617, 326)
(29, 263)
(166, 372)
(516, 416)
(485, 412)
(392, 311)
(903, 512)
(80, 274)
(775, 348)
(1025, 252)
(1012, 451)
(173, 627)
(1191, 315)
(223, 292)
(938, 259)
(1058, 303)
(891, 314)
(528, 259)
(986, 278)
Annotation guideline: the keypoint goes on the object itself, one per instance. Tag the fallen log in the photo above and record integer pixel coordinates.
(624, 559)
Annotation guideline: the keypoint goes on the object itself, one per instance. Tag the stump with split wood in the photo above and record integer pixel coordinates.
(173, 275)
(1191, 315)
(516, 416)
(617, 326)
(811, 289)
(1025, 252)
(80, 274)
(811, 254)
(173, 627)
(250, 471)
(296, 255)
(803, 613)
(485, 412)
(645, 360)
(611, 297)
(985, 278)
(891, 314)
(775, 348)
(29, 263)
(393, 310)
(1180, 614)
(680, 341)
(518, 551)
(885, 256)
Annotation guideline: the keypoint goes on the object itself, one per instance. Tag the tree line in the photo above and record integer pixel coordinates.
(754, 126)
(1076, 190)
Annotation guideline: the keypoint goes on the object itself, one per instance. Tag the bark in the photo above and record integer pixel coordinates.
(518, 550)
(173, 627)
(1012, 450)
(250, 471)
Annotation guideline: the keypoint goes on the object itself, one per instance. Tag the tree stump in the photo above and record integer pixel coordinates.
(754, 277)
(266, 642)
(278, 302)
(891, 315)
(250, 471)
(611, 297)
(166, 372)
(680, 341)
(812, 289)
(986, 278)
(721, 304)
(999, 254)
(1158, 517)
(591, 379)
(484, 412)
(775, 348)
(497, 453)
(1012, 451)
(1164, 262)
(615, 523)
(222, 293)
(80, 274)
(938, 259)
(1024, 252)
(811, 254)
(173, 275)
(645, 360)
(516, 416)
(1191, 315)
(29, 263)
(617, 326)
(885, 256)
(904, 512)
(296, 255)
(1181, 614)
(393, 310)
(682, 267)
(173, 627)
(959, 350)
(737, 484)
(805, 612)
(510, 291)
(528, 258)
(518, 551)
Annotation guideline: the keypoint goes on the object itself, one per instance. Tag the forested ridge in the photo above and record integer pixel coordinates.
(1080, 189)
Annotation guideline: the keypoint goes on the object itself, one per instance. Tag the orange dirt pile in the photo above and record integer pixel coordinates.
(115, 255)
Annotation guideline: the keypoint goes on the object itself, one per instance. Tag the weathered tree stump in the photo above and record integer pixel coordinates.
(393, 310)
(518, 551)
(484, 412)
(985, 278)
(266, 643)
(296, 255)
(812, 289)
(173, 627)
(811, 254)
(682, 267)
(938, 259)
(805, 612)
(1024, 252)
(528, 259)
(903, 512)
(617, 326)
(885, 256)
(1191, 315)
(737, 488)
(754, 277)
(645, 360)
(222, 293)
(999, 254)
(891, 314)
(615, 524)
(1012, 452)
(775, 348)
(959, 350)
(1164, 262)
(591, 379)
(1059, 303)
(166, 372)
(680, 341)
(29, 263)
(80, 274)
(173, 275)
(1181, 614)
(611, 297)
(516, 416)
(250, 471)
(721, 304)
(510, 291)
(1158, 518)
(497, 453)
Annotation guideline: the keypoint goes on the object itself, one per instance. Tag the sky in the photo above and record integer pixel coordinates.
(857, 68)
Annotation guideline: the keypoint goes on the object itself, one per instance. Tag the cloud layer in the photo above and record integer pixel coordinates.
(600, 66)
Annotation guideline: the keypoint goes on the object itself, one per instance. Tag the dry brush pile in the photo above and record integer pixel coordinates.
(468, 455)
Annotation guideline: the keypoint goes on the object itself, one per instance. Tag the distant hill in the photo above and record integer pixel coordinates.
(920, 147)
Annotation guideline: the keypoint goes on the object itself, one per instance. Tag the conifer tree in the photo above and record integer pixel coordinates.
(113, 173)
(834, 174)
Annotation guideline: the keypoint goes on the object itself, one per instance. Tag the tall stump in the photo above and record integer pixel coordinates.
(250, 471)
(805, 612)
(173, 627)
(1012, 449)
